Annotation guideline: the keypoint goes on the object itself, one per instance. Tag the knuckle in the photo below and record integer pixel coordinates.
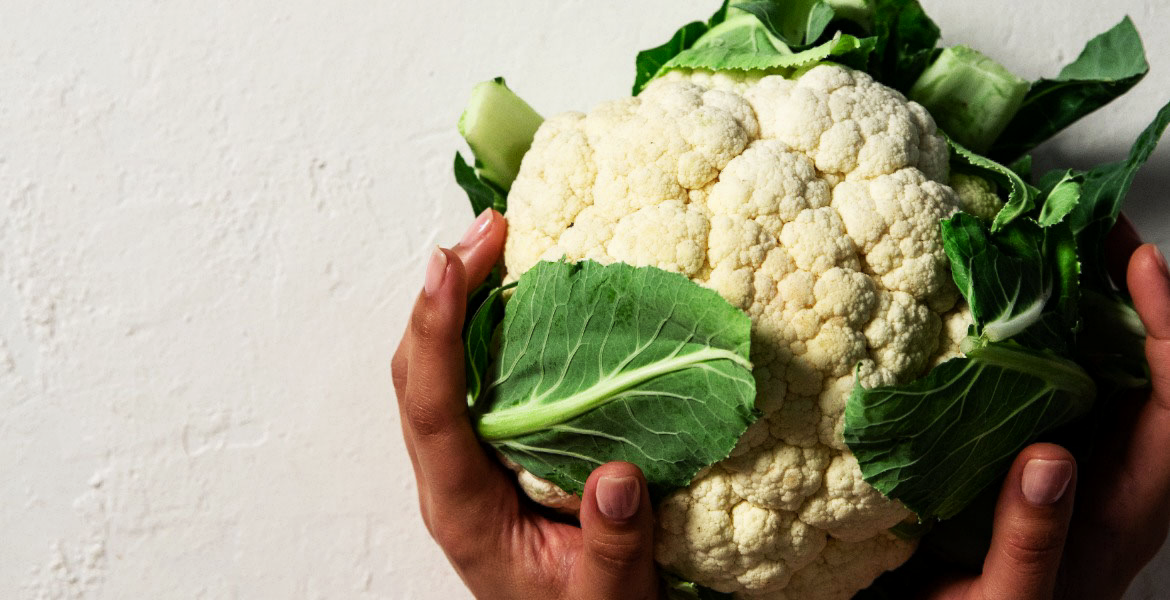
(398, 367)
(617, 554)
(426, 515)
(1036, 547)
(426, 324)
(425, 419)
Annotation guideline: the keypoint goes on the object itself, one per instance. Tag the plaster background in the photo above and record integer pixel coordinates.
(213, 221)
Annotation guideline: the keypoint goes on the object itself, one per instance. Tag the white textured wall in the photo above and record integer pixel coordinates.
(213, 220)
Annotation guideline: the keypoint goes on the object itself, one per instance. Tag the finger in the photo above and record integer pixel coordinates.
(478, 250)
(481, 246)
(399, 368)
(1130, 471)
(462, 483)
(1140, 469)
(617, 531)
(1120, 245)
(1031, 523)
(1149, 281)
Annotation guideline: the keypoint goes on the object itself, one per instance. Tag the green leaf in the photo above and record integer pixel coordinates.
(1023, 167)
(1112, 342)
(970, 96)
(912, 530)
(1064, 260)
(1021, 197)
(499, 127)
(1103, 192)
(936, 442)
(905, 42)
(482, 194)
(1019, 283)
(1060, 199)
(1108, 66)
(601, 363)
(859, 12)
(798, 23)
(477, 333)
(649, 62)
(1112, 345)
(1006, 292)
(679, 589)
(743, 43)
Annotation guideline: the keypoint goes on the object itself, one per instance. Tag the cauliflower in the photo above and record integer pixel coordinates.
(812, 205)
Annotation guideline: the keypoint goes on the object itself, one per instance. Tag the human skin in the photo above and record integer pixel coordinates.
(1047, 540)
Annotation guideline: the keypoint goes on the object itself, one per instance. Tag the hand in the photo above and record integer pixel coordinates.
(1122, 512)
(497, 543)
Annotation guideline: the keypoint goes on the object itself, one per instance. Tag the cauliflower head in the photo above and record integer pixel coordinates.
(812, 204)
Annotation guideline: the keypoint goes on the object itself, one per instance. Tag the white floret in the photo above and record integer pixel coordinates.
(814, 206)
(977, 195)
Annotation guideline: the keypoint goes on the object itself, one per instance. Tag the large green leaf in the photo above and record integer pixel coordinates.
(743, 43)
(1108, 66)
(649, 62)
(798, 23)
(936, 442)
(755, 35)
(905, 42)
(601, 363)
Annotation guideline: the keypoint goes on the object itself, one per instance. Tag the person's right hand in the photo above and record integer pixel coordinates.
(1042, 546)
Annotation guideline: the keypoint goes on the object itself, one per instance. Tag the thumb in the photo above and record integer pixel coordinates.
(1031, 523)
(617, 531)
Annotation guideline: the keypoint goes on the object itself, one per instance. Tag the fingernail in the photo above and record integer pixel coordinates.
(1162, 262)
(436, 270)
(477, 229)
(617, 497)
(1044, 481)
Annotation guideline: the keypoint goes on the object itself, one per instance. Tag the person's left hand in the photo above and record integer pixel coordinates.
(497, 543)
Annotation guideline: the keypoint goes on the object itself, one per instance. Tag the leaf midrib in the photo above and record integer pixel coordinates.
(525, 418)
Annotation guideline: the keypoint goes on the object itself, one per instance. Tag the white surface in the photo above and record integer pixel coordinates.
(213, 221)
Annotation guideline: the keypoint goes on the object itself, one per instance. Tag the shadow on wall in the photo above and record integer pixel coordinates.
(1148, 204)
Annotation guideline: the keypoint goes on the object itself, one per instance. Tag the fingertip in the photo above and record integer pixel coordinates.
(482, 245)
(1149, 285)
(1045, 474)
(1031, 524)
(1120, 244)
(436, 272)
(615, 468)
(617, 490)
(438, 314)
(1148, 262)
(1044, 451)
(1044, 482)
(617, 530)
